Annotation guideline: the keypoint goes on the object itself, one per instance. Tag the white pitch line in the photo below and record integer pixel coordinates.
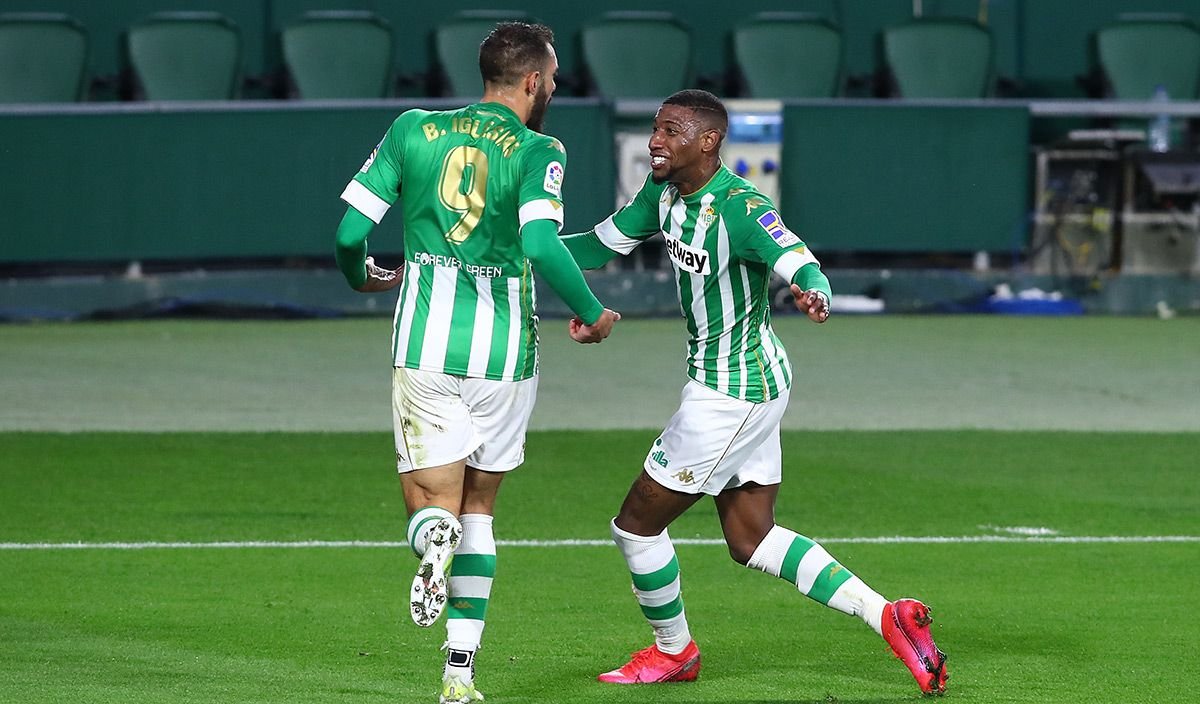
(881, 540)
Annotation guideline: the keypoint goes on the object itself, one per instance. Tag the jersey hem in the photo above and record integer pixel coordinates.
(464, 373)
(732, 392)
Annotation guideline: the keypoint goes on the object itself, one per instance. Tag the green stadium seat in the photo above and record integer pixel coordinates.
(1138, 56)
(186, 56)
(43, 58)
(456, 45)
(789, 55)
(939, 58)
(339, 54)
(637, 54)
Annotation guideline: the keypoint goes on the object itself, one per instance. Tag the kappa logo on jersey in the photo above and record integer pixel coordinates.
(371, 159)
(554, 179)
(773, 225)
(690, 259)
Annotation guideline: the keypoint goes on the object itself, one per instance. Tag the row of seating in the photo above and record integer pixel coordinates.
(350, 54)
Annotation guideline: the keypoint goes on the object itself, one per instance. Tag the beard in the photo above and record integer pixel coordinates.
(537, 114)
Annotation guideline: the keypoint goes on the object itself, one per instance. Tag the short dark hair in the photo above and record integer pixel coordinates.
(512, 50)
(707, 105)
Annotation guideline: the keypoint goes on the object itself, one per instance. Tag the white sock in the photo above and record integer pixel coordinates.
(470, 582)
(655, 571)
(791, 556)
(419, 524)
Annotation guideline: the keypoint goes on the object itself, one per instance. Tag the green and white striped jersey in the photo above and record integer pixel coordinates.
(723, 240)
(469, 180)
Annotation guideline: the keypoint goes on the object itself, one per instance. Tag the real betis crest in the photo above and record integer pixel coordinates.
(707, 217)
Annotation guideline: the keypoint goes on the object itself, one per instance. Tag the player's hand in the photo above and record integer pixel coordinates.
(597, 331)
(380, 279)
(812, 303)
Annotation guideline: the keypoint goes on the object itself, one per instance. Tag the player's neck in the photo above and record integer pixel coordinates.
(509, 99)
(699, 180)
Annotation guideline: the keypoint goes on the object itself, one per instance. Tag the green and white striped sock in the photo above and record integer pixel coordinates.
(804, 563)
(655, 571)
(419, 524)
(470, 582)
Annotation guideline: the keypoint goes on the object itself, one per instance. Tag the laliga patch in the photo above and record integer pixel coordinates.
(554, 179)
(371, 159)
(773, 225)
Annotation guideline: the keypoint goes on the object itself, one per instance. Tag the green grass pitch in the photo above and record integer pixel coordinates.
(1022, 621)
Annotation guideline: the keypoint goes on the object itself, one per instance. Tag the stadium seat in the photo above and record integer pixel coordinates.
(1138, 56)
(339, 54)
(185, 56)
(939, 58)
(637, 54)
(788, 55)
(456, 44)
(43, 58)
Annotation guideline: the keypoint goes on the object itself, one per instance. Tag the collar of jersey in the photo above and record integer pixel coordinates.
(714, 183)
(500, 108)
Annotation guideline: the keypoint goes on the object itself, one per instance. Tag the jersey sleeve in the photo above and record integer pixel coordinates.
(376, 186)
(635, 223)
(758, 233)
(543, 169)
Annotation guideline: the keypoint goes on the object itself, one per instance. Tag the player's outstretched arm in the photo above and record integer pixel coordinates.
(811, 292)
(540, 243)
(350, 251)
(587, 250)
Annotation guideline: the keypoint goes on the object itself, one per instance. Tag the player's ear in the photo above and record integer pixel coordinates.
(532, 82)
(711, 140)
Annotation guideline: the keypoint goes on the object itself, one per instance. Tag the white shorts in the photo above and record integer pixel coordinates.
(715, 442)
(439, 419)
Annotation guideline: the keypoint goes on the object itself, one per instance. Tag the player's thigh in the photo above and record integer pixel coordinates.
(709, 439)
(500, 413)
(431, 421)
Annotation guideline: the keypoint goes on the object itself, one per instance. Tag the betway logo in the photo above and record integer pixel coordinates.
(690, 259)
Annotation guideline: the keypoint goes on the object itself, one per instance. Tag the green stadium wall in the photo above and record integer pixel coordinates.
(906, 178)
(223, 181)
(246, 180)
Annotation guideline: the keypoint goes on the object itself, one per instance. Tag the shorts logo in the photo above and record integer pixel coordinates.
(689, 259)
(661, 459)
(771, 223)
(554, 179)
(684, 476)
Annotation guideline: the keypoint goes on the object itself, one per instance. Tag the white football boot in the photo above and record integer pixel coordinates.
(429, 588)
